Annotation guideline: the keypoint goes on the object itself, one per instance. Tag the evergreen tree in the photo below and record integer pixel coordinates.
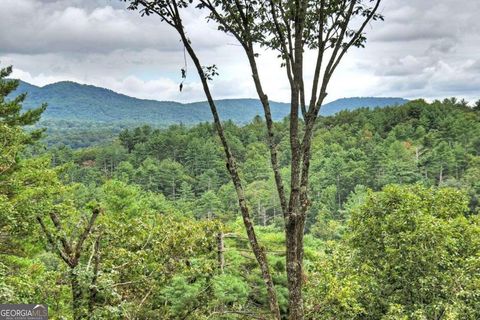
(13, 140)
(12, 120)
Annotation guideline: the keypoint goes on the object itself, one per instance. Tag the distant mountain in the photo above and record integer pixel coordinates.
(359, 102)
(71, 101)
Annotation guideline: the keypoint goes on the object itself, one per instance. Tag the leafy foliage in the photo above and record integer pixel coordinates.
(407, 252)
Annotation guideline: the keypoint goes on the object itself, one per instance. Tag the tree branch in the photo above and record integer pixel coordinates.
(85, 233)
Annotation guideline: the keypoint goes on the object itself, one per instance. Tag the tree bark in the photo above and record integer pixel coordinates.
(93, 285)
(76, 296)
(296, 216)
(294, 258)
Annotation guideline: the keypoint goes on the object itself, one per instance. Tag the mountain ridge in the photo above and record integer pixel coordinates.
(71, 101)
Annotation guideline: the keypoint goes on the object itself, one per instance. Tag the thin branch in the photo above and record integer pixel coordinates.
(52, 242)
(56, 222)
(86, 232)
(357, 34)
(287, 55)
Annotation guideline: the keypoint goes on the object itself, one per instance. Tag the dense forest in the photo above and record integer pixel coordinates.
(148, 227)
(83, 115)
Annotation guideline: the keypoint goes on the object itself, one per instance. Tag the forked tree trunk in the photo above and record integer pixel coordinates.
(291, 38)
(70, 254)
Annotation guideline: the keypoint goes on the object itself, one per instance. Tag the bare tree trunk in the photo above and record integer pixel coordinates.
(440, 176)
(339, 196)
(264, 216)
(294, 243)
(220, 250)
(76, 295)
(93, 285)
(173, 189)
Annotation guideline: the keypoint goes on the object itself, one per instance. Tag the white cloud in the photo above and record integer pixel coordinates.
(424, 48)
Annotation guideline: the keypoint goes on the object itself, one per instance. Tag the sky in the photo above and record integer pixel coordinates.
(424, 49)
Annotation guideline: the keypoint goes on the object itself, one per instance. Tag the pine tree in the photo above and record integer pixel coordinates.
(14, 138)
(10, 108)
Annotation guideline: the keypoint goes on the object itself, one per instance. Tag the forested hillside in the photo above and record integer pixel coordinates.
(84, 115)
(147, 226)
(70, 101)
(433, 144)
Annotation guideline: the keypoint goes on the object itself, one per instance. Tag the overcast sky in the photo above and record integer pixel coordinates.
(425, 48)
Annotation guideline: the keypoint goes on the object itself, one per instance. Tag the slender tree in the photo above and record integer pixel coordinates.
(288, 27)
